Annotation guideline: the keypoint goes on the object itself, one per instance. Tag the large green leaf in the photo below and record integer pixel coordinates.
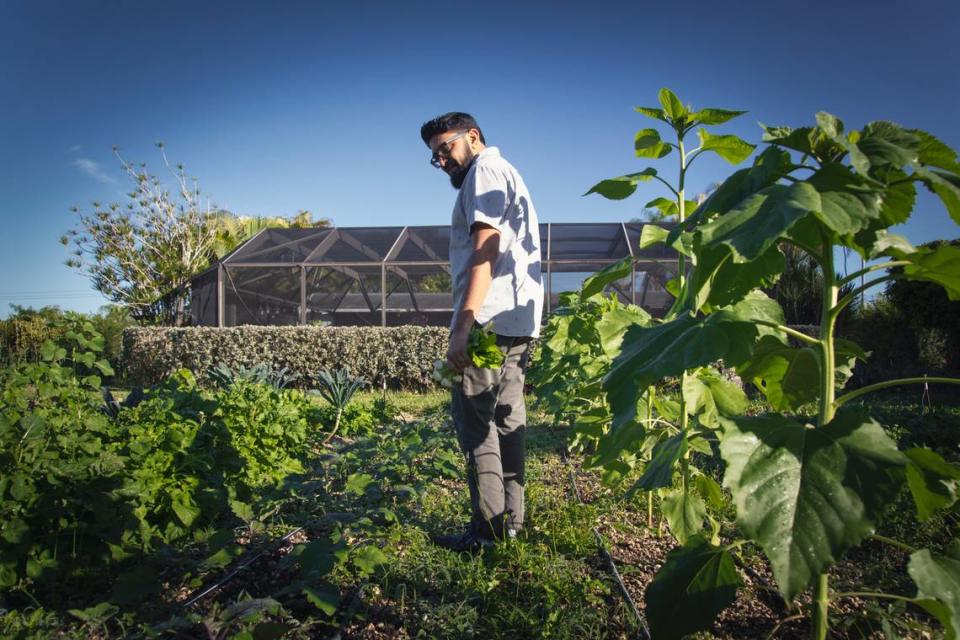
(592, 422)
(608, 275)
(668, 349)
(932, 480)
(731, 148)
(614, 323)
(719, 280)
(708, 395)
(653, 112)
(940, 265)
(787, 376)
(665, 206)
(897, 200)
(185, 508)
(714, 116)
(684, 511)
(808, 494)
(668, 207)
(938, 586)
(946, 186)
(831, 141)
(15, 531)
(846, 202)
(325, 597)
(368, 559)
(767, 168)
(652, 235)
(709, 489)
(842, 201)
(693, 586)
(659, 471)
(824, 142)
(318, 557)
(672, 106)
(647, 144)
(97, 614)
(357, 483)
(620, 438)
(798, 139)
(933, 153)
(875, 243)
(623, 186)
(845, 355)
(759, 221)
(886, 145)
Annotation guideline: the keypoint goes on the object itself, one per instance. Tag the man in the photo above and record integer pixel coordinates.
(495, 260)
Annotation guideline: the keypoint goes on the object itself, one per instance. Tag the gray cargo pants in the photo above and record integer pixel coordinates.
(490, 418)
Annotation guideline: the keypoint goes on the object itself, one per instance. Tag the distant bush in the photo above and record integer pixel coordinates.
(881, 330)
(933, 320)
(24, 332)
(401, 357)
(912, 329)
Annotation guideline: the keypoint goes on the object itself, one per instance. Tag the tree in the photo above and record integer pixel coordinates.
(231, 230)
(143, 255)
(799, 288)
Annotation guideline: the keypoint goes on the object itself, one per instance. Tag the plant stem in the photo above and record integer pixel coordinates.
(30, 595)
(681, 209)
(776, 627)
(681, 280)
(820, 624)
(651, 393)
(799, 335)
(873, 594)
(891, 383)
(850, 297)
(827, 322)
(669, 186)
(892, 542)
(853, 277)
(336, 425)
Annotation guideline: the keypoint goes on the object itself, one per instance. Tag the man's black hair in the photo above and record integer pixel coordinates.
(453, 121)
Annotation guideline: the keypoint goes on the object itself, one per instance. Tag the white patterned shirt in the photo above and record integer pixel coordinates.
(494, 193)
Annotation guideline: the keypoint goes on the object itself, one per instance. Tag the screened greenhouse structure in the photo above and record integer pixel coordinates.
(391, 276)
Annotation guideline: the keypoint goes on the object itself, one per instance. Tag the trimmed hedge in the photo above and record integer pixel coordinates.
(401, 356)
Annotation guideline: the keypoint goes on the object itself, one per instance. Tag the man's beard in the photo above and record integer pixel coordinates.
(458, 174)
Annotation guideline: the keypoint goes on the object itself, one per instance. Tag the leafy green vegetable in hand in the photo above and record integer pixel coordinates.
(482, 348)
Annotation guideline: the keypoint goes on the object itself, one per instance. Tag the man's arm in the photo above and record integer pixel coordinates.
(486, 248)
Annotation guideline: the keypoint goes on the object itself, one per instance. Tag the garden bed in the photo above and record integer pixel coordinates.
(386, 492)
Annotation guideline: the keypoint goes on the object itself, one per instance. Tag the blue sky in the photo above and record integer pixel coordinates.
(287, 106)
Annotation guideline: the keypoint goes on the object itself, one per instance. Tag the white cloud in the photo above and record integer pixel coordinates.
(74, 149)
(94, 170)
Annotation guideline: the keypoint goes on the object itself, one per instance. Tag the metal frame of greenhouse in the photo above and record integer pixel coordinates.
(391, 276)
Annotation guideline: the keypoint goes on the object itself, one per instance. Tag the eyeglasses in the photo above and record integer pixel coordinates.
(443, 151)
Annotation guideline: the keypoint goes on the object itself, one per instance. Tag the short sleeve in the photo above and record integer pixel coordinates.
(486, 198)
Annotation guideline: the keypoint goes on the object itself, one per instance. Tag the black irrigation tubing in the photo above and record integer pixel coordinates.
(644, 631)
(216, 586)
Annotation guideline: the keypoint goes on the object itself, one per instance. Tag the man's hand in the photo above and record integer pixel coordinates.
(457, 354)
